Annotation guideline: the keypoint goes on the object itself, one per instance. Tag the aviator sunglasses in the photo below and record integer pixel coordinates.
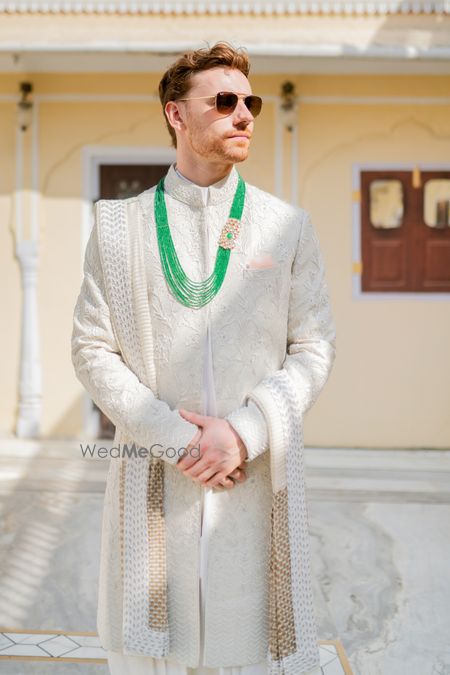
(226, 102)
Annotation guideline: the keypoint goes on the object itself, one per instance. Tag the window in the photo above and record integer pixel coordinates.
(405, 232)
(436, 212)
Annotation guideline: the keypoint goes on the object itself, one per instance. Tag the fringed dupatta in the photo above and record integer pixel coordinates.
(293, 645)
(141, 516)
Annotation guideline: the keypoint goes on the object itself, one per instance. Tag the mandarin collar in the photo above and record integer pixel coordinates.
(186, 191)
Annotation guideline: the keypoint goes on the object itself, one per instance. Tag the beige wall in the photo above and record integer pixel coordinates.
(389, 385)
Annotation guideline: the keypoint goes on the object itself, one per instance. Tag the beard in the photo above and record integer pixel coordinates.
(216, 147)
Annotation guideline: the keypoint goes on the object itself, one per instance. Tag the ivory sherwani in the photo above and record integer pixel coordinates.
(138, 352)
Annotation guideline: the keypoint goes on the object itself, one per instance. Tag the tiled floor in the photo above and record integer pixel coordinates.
(60, 647)
(51, 646)
(380, 536)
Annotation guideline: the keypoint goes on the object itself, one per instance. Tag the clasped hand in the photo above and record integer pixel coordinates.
(222, 452)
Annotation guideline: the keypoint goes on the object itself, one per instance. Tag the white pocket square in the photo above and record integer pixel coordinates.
(261, 262)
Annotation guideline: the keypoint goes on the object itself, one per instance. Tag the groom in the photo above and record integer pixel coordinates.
(206, 292)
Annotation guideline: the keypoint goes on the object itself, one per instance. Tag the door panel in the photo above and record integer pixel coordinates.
(120, 181)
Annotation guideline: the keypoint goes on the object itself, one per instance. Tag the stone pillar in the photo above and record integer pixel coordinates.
(30, 380)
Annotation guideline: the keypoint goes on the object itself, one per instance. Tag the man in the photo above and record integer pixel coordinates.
(203, 329)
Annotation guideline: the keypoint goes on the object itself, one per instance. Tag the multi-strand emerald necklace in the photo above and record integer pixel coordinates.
(196, 293)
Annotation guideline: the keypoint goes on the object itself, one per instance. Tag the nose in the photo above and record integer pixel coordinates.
(242, 112)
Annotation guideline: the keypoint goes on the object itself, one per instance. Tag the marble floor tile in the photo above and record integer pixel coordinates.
(380, 538)
(60, 649)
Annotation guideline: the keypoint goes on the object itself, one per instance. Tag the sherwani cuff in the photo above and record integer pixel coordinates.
(184, 431)
(250, 423)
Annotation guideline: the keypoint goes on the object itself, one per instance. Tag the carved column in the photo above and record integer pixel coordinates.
(30, 379)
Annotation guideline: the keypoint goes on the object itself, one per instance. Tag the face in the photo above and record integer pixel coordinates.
(201, 130)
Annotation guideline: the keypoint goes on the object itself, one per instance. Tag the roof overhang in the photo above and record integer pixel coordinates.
(390, 43)
(256, 7)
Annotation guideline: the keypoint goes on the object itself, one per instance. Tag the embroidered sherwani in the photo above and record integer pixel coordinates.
(262, 321)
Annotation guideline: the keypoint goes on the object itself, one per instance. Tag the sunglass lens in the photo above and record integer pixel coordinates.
(254, 104)
(226, 102)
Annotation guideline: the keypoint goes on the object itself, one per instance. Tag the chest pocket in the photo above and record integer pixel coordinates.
(263, 285)
(262, 266)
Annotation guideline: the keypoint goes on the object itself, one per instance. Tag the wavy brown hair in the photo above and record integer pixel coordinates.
(175, 82)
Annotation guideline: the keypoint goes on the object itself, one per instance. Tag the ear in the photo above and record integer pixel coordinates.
(173, 113)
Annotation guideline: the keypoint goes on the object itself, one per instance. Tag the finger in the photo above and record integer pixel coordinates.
(225, 481)
(191, 453)
(238, 475)
(194, 417)
(220, 487)
(225, 484)
(205, 476)
(197, 467)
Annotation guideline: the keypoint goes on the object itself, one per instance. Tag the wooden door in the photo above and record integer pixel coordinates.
(120, 181)
(405, 240)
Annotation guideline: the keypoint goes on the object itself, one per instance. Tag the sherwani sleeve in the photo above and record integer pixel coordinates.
(311, 341)
(115, 388)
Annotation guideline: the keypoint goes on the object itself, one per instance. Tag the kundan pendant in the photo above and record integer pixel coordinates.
(229, 233)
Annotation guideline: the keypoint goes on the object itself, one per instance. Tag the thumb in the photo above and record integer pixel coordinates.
(195, 417)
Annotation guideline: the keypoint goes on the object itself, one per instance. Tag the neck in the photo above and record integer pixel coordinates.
(201, 172)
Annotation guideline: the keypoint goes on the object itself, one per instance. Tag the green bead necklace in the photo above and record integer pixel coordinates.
(188, 292)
